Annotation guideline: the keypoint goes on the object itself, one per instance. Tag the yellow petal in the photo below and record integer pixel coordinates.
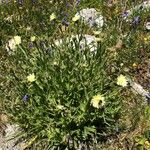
(122, 81)
(31, 78)
(98, 39)
(134, 65)
(60, 107)
(76, 18)
(32, 38)
(52, 16)
(96, 101)
(96, 32)
(17, 40)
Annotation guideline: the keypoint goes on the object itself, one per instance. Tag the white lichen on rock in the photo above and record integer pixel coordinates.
(91, 17)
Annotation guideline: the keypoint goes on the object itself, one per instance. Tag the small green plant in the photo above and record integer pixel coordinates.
(61, 96)
(63, 92)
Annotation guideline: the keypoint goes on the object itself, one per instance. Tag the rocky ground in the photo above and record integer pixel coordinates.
(6, 132)
(142, 77)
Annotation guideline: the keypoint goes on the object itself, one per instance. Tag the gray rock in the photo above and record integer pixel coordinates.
(5, 142)
(91, 17)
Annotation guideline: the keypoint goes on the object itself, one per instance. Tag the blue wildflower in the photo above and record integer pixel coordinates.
(25, 98)
(125, 14)
(136, 20)
(30, 45)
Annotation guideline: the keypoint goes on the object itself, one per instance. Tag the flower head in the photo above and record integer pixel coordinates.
(30, 45)
(125, 14)
(134, 65)
(52, 16)
(17, 40)
(96, 32)
(146, 39)
(32, 38)
(25, 98)
(122, 81)
(60, 107)
(28, 28)
(98, 101)
(65, 22)
(31, 77)
(147, 144)
(76, 17)
(55, 63)
(136, 20)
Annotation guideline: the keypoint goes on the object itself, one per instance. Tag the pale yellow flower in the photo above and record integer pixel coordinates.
(52, 16)
(17, 40)
(55, 63)
(147, 143)
(122, 81)
(98, 39)
(126, 69)
(76, 17)
(61, 107)
(134, 65)
(145, 38)
(121, 64)
(32, 38)
(28, 28)
(96, 32)
(31, 77)
(98, 101)
(84, 65)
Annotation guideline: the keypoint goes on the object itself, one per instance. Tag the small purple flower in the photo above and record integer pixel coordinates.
(68, 5)
(65, 22)
(30, 45)
(125, 14)
(25, 98)
(136, 20)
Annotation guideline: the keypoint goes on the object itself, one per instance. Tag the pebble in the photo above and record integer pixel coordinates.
(5, 142)
(147, 25)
